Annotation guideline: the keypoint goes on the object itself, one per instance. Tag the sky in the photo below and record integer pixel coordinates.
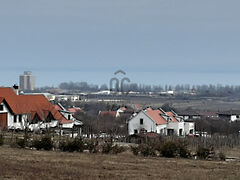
(154, 41)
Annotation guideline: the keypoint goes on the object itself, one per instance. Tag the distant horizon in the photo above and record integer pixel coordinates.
(144, 78)
(156, 42)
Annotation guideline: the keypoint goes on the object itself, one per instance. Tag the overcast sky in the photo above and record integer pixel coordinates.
(154, 41)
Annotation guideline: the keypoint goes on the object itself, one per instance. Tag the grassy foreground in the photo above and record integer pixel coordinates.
(31, 164)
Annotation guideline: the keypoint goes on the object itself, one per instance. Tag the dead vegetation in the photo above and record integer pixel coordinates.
(30, 164)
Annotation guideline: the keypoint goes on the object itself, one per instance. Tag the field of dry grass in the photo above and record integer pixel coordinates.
(31, 164)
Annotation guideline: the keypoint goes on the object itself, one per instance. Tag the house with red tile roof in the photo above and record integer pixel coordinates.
(69, 116)
(159, 121)
(28, 111)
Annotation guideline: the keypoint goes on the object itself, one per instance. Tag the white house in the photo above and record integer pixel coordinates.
(67, 97)
(231, 116)
(159, 121)
(69, 116)
(27, 111)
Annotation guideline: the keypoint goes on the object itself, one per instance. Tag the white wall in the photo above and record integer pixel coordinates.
(234, 117)
(189, 126)
(176, 126)
(148, 123)
(162, 129)
(11, 123)
(41, 125)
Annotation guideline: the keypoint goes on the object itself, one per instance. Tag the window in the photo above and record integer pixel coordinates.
(69, 117)
(237, 116)
(170, 132)
(1, 107)
(180, 132)
(135, 131)
(141, 121)
(15, 118)
(20, 118)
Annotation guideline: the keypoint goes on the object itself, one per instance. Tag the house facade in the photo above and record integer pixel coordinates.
(165, 123)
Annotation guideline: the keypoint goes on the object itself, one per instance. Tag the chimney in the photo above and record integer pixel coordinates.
(16, 89)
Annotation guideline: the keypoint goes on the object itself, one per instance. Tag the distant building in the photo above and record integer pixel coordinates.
(27, 81)
(160, 122)
(231, 115)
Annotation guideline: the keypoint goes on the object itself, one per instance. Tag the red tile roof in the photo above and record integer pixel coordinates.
(172, 116)
(156, 116)
(138, 107)
(31, 104)
(110, 113)
(74, 110)
(57, 107)
(1, 99)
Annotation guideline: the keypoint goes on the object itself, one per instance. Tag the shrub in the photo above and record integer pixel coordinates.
(45, 143)
(135, 150)
(203, 152)
(63, 146)
(183, 151)
(1, 139)
(222, 156)
(106, 148)
(37, 144)
(146, 150)
(21, 143)
(72, 145)
(92, 146)
(117, 149)
(169, 149)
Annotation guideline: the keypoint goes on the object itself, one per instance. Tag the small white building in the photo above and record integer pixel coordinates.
(69, 116)
(159, 121)
(72, 98)
(231, 116)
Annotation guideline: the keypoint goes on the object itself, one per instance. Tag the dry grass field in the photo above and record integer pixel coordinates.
(31, 164)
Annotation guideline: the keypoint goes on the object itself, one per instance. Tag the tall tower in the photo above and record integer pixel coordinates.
(27, 81)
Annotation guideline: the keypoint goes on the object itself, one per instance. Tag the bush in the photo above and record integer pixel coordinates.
(117, 149)
(135, 150)
(92, 146)
(63, 146)
(183, 151)
(146, 150)
(37, 144)
(72, 145)
(203, 152)
(106, 148)
(21, 143)
(169, 149)
(47, 143)
(44, 143)
(1, 139)
(222, 156)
